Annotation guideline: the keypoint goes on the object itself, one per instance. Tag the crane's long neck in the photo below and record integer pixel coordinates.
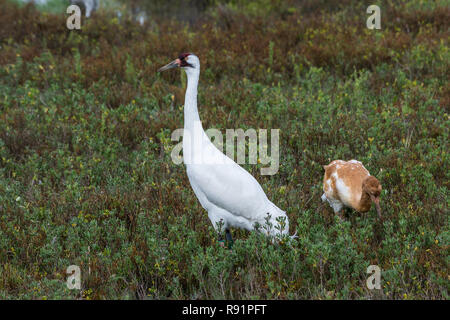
(191, 115)
(364, 202)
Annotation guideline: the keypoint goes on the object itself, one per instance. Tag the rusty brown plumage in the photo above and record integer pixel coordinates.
(349, 183)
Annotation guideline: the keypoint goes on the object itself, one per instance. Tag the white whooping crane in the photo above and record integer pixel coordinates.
(232, 197)
(349, 183)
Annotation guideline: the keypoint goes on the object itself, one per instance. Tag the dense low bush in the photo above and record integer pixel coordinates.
(86, 176)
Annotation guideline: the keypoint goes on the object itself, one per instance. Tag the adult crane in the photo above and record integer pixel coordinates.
(231, 196)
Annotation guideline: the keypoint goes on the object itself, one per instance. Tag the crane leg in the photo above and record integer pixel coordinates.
(229, 238)
(221, 239)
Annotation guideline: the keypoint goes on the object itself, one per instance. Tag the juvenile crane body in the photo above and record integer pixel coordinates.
(231, 196)
(349, 183)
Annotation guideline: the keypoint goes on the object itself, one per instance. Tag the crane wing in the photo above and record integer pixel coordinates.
(229, 186)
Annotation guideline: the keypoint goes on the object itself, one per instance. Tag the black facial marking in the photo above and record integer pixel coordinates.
(184, 63)
(182, 56)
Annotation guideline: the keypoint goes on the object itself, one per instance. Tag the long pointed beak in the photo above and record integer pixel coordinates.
(173, 64)
(376, 201)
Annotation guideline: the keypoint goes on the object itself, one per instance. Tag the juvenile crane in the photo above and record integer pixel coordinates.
(231, 196)
(348, 183)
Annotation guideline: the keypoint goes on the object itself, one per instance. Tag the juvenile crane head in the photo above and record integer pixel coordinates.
(188, 61)
(372, 187)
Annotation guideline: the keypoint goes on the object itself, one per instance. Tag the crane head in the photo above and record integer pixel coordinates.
(372, 187)
(183, 61)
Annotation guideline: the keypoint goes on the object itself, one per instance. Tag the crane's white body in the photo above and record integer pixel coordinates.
(226, 190)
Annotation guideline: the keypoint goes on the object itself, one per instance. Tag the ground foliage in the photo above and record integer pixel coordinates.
(86, 176)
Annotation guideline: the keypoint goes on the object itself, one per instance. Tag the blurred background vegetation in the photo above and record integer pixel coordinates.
(86, 176)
